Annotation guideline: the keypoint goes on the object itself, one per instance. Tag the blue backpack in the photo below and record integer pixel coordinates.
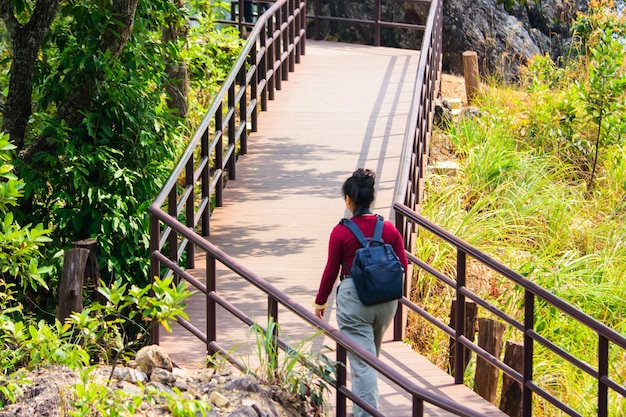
(377, 272)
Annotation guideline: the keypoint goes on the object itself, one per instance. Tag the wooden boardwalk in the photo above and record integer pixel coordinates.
(344, 107)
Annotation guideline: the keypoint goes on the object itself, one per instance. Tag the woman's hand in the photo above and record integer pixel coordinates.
(319, 313)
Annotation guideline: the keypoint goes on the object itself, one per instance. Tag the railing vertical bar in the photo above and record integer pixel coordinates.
(211, 305)
(155, 265)
(262, 69)
(459, 318)
(232, 133)
(243, 114)
(302, 32)
(292, 37)
(254, 83)
(342, 380)
(603, 370)
(206, 183)
(271, 53)
(190, 211)
(418, 407)
(529, 324)
(377, 19)
(316, 21)
(172, 238)
(272, 314)
(284, 37)
(219, 156)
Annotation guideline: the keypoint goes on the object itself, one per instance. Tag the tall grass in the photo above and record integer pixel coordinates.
(522, 195)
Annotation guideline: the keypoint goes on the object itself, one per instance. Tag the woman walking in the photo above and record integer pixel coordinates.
(366, 325)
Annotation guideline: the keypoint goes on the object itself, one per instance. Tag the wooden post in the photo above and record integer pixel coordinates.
(489, 338)
(80, 268)
(511, 399)
(72, 281)
(92, 270)
(472, 77)
(471, 311)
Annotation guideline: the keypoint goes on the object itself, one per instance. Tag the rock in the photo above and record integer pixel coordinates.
(219, 400)
(153, 356)
(129, 375)
(443, 114)
(503, 39)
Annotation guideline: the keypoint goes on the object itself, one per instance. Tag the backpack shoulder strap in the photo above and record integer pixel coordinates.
(378, 231)
(355, 230)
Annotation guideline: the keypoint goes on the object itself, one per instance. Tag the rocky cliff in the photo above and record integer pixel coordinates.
(503, 39)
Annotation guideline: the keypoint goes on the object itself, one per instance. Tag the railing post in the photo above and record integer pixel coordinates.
(603, 372)
(342, 380)
(418, 407)
(155, 266)
(292, 36)
(529, 325)
(218, 165)
(316, 21)
(243, 113)
(459, 348)
(190, 211)
(172, 238)
(270, 60)
(285, 36)
(377, 18)
(206, 183)
(211, 310)
(262, 69)
(232, 133)
(254, 84)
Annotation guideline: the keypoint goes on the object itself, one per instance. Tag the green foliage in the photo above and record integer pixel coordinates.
(306, 375)
(93, 398)
(209, 54)
(580, 107)
(20, 247)
(102, 174)
(89, 398)
(524, 195)
(97, 178)
(103, 328)
(97, 333)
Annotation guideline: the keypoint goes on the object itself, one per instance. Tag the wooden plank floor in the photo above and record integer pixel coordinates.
(344, 107)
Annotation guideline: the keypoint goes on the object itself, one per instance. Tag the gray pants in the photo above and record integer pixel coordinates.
(366, 325)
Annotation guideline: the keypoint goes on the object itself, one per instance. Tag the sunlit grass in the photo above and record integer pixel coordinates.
(528, 207)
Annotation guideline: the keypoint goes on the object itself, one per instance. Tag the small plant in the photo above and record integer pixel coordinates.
(101, 328)
(307, 375)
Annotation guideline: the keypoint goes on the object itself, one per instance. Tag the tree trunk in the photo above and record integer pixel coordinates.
(26, 40)
(177, 86)
(114, 39)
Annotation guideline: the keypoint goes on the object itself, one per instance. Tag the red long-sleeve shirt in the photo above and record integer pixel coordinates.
(342, 247)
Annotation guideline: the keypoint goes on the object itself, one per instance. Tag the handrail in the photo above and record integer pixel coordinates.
(533, 292)
(280, 38)
(377, 22)
(275, 296)
(181, 208)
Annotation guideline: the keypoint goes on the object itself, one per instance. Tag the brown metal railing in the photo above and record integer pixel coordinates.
(376, 21)
(180, 215)
(275, 298)
(270, 54)
(533, 295)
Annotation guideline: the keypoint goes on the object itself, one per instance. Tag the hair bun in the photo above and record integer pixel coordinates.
(364, 177)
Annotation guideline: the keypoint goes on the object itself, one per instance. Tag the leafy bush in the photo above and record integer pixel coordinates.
(20, 246)
(97, 334)
(96, 179)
